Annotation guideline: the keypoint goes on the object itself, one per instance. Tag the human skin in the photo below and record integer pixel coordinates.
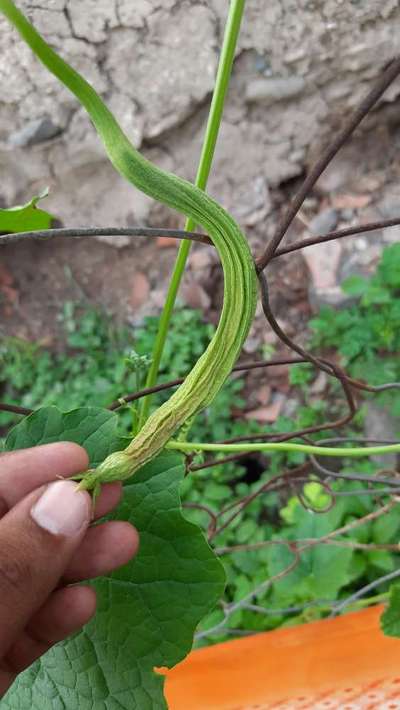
(46, 547)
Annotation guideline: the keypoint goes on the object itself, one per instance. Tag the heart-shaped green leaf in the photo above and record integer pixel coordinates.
(147, 610)
(92, 427)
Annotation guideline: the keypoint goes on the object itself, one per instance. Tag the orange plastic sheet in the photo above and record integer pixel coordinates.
(344, 663)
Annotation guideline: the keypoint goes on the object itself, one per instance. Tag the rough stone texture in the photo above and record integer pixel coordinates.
(300, 67)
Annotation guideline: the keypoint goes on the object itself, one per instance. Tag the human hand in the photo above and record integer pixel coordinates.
(45, 546)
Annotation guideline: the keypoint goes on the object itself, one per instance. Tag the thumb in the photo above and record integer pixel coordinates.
(37, 540)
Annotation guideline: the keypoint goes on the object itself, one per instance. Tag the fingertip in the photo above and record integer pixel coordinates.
(104, 548)
(128, 537)
(109, 498)
(24, 470)
(117, 541)
(77, 455)
(82, 601)
(62, 509)
(66, 610)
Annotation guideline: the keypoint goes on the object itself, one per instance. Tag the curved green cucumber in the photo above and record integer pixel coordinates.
(240, 279)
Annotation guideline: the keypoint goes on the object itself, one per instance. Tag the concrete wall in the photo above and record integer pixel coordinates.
(300, 68)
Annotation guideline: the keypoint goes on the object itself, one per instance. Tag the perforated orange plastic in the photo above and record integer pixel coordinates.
(344, 663)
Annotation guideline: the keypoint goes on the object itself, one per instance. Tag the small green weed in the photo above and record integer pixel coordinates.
(367, 333)
(102, 361)
(91, 370)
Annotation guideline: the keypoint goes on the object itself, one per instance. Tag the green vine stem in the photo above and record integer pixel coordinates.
(356, 452)
(369, 601)
(354, 606)
(213, 125)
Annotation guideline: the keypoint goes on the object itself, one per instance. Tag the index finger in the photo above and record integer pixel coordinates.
(24, 470)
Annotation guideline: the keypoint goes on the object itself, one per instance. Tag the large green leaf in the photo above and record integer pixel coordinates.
(25, 218)
(92, 427)
(147, 610)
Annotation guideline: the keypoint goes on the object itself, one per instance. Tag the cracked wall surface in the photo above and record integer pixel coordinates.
(300, 67)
